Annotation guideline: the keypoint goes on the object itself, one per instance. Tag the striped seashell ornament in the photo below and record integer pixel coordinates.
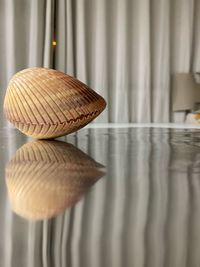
(46, 103)
(46, 177)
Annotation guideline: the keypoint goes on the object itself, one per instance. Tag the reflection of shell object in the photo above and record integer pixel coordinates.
(46, 177)
(45, 103)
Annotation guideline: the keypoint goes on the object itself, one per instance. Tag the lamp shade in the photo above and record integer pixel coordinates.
(185, 92)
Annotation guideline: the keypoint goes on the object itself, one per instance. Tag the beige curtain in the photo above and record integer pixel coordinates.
(126, 50)
(26, 30)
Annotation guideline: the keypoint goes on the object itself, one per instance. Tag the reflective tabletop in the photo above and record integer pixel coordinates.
(101, 197)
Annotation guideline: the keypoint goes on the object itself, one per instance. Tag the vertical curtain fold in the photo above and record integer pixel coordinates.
(195, 62)
(26, 34)
(160, 60)
(126, 50)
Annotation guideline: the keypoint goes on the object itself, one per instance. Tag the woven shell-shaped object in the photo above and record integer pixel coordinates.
(45, 103)
(46, 177)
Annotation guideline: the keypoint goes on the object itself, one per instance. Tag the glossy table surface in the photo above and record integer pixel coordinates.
(101, 197)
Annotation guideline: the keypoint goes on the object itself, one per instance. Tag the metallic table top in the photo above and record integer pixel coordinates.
(101, 197)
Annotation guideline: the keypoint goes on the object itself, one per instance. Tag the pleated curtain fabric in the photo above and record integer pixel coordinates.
(26, 32)
(127, 50)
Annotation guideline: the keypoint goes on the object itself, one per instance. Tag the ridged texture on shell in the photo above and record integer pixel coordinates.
(45, 103)
(45, 177)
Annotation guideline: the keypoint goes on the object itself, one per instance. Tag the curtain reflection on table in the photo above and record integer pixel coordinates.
(144, 212)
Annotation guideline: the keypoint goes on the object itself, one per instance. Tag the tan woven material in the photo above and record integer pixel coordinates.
(45, 103)
(46, 177)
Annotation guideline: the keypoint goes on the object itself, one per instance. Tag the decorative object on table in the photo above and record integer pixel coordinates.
(46, 177)
(46, 103)
(193, 118)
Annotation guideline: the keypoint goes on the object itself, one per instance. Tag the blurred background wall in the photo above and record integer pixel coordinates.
(126, 50)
